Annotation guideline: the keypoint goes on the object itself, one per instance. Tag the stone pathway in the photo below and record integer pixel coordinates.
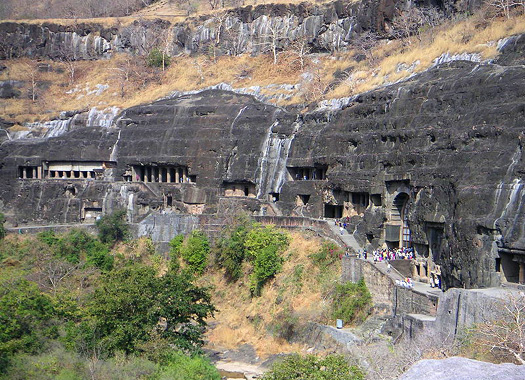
(346, 237)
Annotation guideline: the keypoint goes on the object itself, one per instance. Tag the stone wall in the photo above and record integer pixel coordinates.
(386, 296)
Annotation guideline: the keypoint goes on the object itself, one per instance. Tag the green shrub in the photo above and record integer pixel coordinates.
(260, 237)
(195, 251)
(183, 367)
(113, 227)
(351, 302)
(296, 367)
(26, 319)
(267, 264)
(263, 246)
(175, 245)
(79, 246)
(156, 58)
(2, 228)
(327, 255)
(48, 237)
(231, 252)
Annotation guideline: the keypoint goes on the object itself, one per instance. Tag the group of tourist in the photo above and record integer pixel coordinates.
(384, 254)
(342, 224)
(405, 283)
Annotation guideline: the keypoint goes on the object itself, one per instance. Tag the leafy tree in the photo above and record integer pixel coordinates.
(25, 319)
(267, 264)
(2, 228)
(132, 303)
(195, 251)
(260, 237)
(79, 246)
(352, 302)
(158, 58)
(263, 246)
(332, 367)
(231, 252)
(175, 245)
(113, 227)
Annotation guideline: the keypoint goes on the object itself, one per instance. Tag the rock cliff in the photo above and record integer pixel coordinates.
(326, 27)
(434, 161)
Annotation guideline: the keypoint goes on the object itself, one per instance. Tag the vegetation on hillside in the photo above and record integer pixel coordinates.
(73, 306)
(300, 292)
(296, 367)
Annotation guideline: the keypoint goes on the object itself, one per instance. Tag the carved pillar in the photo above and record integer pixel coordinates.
(39, 172)
(522, 273)
(24, 173)
(168, 175)
(177, 175)
(184, 174)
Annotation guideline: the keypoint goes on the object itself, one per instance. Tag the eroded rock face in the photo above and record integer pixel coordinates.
(440, 153)
(326, 27)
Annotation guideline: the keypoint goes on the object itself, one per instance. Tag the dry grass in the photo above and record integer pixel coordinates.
(330, 76)
(472, 35)
(242, 319)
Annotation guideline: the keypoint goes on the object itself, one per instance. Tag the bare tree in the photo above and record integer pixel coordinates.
(505, 7)
(122, 73)
(364, 44)
(505, 334)
(300, 48)
(413, 21)
(272, 40)
(55, 271)
(32, 71)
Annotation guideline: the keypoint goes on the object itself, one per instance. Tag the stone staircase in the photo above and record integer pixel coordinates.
(347, 238)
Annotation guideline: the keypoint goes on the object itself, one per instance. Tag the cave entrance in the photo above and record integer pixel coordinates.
(302, 199)
(333, 211)
(399, 216)
(513, 267)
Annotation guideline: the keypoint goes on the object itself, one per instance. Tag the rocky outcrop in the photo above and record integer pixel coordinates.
(457, 368)
(325, 27)
(436, 159)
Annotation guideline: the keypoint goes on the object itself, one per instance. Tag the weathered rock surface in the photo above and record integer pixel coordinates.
(458, 368)
(9, 89)
(442, 150)
(325, 27)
